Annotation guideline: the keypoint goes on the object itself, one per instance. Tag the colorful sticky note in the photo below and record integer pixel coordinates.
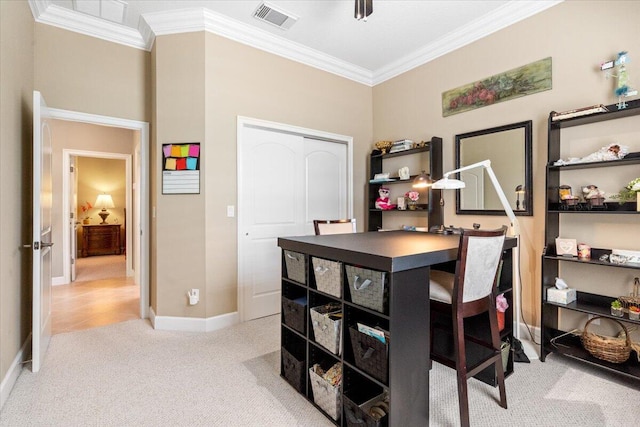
(166, 149)
(181, 164)
(184, 150)
(175, 151)
(194, 150)
(170, 164)
(192, 163)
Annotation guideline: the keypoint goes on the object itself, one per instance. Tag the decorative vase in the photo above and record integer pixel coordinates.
(412, 205)
(86, 221)
(615, 311)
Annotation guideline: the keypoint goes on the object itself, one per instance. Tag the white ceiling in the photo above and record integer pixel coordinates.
(398, 36)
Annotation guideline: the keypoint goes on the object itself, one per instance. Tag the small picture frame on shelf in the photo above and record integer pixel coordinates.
(566, 247)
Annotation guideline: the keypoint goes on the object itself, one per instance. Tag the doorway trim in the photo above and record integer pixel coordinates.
(242, 123)
(142, 188)
(66, 192)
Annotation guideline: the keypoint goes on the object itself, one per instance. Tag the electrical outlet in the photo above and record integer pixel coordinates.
(194, 296)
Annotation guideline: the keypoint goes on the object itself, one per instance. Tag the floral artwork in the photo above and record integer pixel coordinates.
(521, 81)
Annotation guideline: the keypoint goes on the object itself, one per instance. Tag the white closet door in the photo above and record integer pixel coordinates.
(285, 181)
(325, 181)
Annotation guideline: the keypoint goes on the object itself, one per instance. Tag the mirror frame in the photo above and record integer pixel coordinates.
(528, 178)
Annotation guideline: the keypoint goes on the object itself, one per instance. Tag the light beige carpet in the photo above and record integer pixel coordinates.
(131, 375)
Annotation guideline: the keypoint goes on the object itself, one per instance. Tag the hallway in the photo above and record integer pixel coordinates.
(101, 295)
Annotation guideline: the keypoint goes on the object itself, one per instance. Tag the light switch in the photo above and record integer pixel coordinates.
(231, 211)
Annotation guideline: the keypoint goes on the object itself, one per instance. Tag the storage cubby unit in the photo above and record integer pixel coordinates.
(597, 281)
(397, 369)
(429, 212)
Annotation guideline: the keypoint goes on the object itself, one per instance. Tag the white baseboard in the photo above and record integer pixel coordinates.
(55, 281)
(193, 324)
(531, 349)
(13, 373)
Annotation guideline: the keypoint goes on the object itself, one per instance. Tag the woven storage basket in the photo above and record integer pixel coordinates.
(328, 276)
(325, 395)
(611, 349)
(359, 415)
(295, 313)
(293, 370)
(371, 354)
(327, 329)
(367, 287)
(295, 266)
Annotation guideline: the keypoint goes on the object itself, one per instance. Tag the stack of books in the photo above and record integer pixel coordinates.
(578, 112)
(401, 145)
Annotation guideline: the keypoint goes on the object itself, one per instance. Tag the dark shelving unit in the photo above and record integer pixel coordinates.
(554, 339)
(432, 208)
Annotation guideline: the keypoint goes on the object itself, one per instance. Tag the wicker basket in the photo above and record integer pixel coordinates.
(611, 349)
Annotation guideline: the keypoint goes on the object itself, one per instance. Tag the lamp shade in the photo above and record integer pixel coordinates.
(448, 184)
(104, 201)
(422, 181)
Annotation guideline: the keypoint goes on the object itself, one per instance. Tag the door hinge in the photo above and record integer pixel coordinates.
(73, 261)
(71, 215)
(36, 246)
(71, 169)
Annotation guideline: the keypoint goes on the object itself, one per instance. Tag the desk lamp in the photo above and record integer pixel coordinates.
(453, 184)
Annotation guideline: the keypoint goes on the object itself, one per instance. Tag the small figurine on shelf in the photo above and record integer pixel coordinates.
(382, 202)
(593, 196)
(622, 89)
(567, 199)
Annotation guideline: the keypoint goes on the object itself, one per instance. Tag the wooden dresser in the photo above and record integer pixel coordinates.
(100, 240)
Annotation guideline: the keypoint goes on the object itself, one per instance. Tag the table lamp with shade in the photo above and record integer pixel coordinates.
(447, 183)
(104, 202)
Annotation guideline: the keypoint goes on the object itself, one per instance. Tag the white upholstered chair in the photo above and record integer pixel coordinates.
(334, 226)
(470, 292)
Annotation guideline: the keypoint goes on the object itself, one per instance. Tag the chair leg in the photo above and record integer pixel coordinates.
(461, 368)
(495, 339)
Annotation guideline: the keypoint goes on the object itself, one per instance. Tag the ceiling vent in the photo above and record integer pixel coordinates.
(268, 13)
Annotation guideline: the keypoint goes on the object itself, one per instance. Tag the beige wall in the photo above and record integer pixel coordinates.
(179, 222)
(81, 73)
(82, 137)
(569, 34)
(201, 103)
(243, 81)
(16, 81)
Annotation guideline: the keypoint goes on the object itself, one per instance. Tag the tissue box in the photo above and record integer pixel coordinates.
(562, 296)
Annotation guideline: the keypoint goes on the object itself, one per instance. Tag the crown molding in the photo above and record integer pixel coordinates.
(503, 17)
(191, 20)
(201, 19)
(46, 13)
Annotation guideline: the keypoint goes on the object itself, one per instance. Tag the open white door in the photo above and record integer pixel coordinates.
(41, 246)
(73, 218)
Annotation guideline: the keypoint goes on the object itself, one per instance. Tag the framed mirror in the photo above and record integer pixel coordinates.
(509, 149)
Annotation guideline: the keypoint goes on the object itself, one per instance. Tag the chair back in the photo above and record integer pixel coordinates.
(334, 226)
(478, 264)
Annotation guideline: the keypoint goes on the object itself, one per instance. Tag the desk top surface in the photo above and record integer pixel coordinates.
(391, 251)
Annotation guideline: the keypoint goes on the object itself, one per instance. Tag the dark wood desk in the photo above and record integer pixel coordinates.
(406, 257)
